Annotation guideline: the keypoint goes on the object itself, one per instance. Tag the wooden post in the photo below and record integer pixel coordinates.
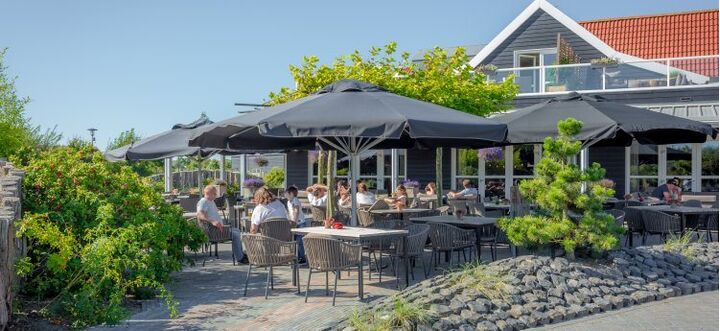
(10, 247)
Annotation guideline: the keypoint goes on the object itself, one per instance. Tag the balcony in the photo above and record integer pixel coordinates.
(586, 77)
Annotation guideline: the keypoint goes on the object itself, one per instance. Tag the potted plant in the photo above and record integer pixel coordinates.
(412, 186)
(261, 161)
(605, 62)
(253, 184)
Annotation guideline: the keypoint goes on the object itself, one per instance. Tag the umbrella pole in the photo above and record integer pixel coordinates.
(222, 167)
(354, 160)
(584, 165)
(167, 171)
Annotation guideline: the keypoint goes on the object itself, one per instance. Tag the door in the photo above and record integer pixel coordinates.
(528, 79)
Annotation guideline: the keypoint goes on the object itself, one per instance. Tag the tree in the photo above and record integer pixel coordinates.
(275, 178)
(142, 168)
(125, 138)
(441, 78)
(14, 125)
(569, 216)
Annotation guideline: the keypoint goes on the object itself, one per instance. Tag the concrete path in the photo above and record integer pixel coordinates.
(691, 312)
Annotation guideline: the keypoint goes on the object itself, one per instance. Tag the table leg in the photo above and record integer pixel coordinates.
(360, 278)
(407, 273)
(683, 223)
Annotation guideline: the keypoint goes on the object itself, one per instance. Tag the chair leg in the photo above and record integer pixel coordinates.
(247, 279)
(267, 283)
(296, 270)
(272, 279)
(335, 286)
(327, 285)
(396, 268)
(464, 256)
(216, 251)
(422, 263)
(307, 289)
(412, 269)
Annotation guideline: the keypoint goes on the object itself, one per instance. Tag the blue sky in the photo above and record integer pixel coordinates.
(115, 65)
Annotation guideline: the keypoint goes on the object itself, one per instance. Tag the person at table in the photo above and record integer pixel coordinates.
(399, 198)
(468, 192)
(207, 211)
(678, 188)
(317, 195)
(364, 196)
(665, 191)
(295, 215)
(430, 189)
(267, 207)
(344, 201)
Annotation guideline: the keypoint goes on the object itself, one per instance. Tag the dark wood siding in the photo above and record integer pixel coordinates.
(297, 169)
(539, 31)
(421, 166)
(613, 160)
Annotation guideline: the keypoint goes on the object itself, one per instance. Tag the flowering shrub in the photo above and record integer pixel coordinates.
(409, 183)
(253, 183)
(98, 234)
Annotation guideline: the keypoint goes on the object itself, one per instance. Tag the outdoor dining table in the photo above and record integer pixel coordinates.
(400, 212)
(189, 215)
(683, 211)
(471, 222)
(357, 234)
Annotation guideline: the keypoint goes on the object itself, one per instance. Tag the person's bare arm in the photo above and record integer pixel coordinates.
(253, 228)
(203, 216)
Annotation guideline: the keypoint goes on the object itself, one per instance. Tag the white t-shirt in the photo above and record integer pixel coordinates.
(317, 202)
(470, 191)
(365, 198)
(293, 206)
(274, 209)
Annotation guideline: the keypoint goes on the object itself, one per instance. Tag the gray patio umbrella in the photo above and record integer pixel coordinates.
(162, 145)
(605, 123)
(352, 116)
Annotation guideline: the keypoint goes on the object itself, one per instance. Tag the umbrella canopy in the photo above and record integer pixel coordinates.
(347, 110)
(166, 144)
(352, 117)
(605, 123)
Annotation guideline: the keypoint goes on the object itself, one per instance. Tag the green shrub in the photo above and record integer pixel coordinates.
(568, 216)
(98, 234)
(402, 315)
(275, 178)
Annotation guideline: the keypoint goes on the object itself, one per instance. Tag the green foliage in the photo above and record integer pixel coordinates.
(441, 78)
(569, 217)
(487, 281)
(402, 316)
(14, 125)
(275, 178)
(681, 244)
(125, 138)
(98, 234)
(142, 168)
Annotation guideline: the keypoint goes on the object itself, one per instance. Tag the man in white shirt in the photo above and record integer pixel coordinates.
(468, 192)
(317, 195)
(207, 209)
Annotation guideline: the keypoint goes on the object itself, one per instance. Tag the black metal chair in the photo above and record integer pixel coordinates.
(619, 216)
(634, 225)
(660, 223)
(416, 239)
(711, 226)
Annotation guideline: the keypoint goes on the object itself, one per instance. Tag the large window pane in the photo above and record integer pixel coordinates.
(494, 161)
(709, 185)
(343, 165)
(646, 185)
(710, 158)
(523, 160)
(679, 160)
(643, 160)
(467, 162)
(368, 163)
(494, 187)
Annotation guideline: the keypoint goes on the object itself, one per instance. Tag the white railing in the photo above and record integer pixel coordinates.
(668, 72)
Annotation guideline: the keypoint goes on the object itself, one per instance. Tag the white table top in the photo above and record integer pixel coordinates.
(350, 232)
(450, 219)
(189, 215)
(398, 211)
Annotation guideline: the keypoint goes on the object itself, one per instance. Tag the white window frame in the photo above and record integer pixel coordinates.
(380, 175)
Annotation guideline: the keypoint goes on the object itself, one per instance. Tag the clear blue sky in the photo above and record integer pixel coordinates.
(115, 65)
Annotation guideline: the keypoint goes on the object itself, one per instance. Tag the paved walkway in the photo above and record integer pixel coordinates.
(691, 312)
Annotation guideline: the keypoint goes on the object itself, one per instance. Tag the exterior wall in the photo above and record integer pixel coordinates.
(644, 96)
(421, 166)
(297, 169)
(539, 31)
(613, 160)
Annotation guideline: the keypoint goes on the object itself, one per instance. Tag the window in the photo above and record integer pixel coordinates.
(643, 168)
(709, 166)
(529, 80)
(679, 164)
(375, 167)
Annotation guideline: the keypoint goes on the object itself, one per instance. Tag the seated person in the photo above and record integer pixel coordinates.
(267, 207)
(207, 210)
(399, 199)
(431, 189)
(296, 216)
(665, 191)
(344, 201)
(363, 196)
(317, 195)
(468, 192)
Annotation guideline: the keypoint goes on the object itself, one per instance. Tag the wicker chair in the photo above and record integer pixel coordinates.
(448, 238)
(635, 224)
(269, 252)
(364, 218)
(379, 204)
(619, 216)
(711, 226)
(443, 210)
(278, 228)
(318, 215)
(476, 208)
(633, 203)
(215, 237)
(458, 204)
(326, 255)
(416, 239)
(661, 223)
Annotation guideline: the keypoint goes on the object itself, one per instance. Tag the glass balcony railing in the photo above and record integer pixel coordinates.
(672, 72)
